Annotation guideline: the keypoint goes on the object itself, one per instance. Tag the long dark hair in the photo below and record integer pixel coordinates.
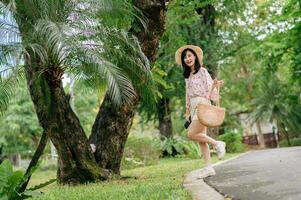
(187, 70)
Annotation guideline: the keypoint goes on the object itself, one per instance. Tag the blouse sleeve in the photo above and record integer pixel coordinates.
(214, 95)
(187, 97)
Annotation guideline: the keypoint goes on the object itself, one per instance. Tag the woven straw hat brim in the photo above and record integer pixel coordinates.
(196, 49)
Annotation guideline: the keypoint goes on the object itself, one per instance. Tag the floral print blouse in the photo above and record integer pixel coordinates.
(200, 84)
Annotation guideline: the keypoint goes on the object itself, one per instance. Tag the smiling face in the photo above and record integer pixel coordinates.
(190, 62)
(189, 58)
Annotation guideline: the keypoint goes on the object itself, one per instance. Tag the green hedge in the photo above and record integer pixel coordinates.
(293, 141)
(233, 141)
(138, 152)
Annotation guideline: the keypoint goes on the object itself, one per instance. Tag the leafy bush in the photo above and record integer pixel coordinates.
(233, 142)
(192, 149)
(293, 141)
(139, 151)
(11, 181)
(171, 146)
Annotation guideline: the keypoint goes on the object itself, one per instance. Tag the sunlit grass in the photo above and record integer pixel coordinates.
(161, 181)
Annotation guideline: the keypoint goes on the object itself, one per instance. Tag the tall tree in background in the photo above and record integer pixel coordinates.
(188, 22)
(19, 127)
(260, 59)
(278, 94)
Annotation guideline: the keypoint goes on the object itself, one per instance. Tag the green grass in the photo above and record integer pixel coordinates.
(293, 141)
(161, 181)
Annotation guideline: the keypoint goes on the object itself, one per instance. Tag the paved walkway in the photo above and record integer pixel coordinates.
(272, 174)
(199, 189)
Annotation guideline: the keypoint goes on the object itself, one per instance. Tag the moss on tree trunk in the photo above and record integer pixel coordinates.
(76, 160)
(164, 117)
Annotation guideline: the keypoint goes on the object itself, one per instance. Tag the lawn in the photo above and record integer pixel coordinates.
(161, 181)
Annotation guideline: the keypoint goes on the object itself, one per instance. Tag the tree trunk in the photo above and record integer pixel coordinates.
(1, 156)
(34, 161)
(111, 127)
(109, 133)
(207, 17)
(286, 134)
(15, 159)
(260, 135)
(76, 161)
(164, 116)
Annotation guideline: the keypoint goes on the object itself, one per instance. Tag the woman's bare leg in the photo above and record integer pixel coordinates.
(197, 132)
(206, 153)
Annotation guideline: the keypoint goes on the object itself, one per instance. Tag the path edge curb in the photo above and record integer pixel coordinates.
(199, 189)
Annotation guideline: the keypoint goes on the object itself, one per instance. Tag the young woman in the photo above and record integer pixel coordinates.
(200, 88)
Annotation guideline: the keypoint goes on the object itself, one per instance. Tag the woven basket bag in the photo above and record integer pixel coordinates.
(210, 115)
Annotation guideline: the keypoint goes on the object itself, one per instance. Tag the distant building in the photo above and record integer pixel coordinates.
(251, 132)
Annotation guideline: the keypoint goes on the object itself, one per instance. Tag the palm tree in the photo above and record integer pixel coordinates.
(274, 103)
(112, 124)
(50, 43)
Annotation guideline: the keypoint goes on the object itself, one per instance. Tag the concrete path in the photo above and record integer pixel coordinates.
(272, 174)
(201, 190)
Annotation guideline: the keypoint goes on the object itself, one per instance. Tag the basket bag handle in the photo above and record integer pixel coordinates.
(218, 100)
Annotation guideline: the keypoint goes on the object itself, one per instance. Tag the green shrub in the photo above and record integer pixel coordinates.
(11, 181)
(139, 151)
(171, 146)
(293, 141)
(233, 142)
(192, 149)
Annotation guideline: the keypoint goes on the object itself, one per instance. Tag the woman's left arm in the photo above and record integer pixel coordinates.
(212, 84)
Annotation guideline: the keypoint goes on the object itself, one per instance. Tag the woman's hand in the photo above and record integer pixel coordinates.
(187, 114)
(217, 83)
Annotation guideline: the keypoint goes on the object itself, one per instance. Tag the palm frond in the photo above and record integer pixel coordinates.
(10, 57)
(272, 103)
(125, 51)
(93, 68)
(114, 57)
(10, 41)
(120, 14)
(115, 50)
(8, 28)
(49, 45)
(120, 88)
(9, 80)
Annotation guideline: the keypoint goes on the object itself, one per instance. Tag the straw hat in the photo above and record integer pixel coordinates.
(198, 51)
